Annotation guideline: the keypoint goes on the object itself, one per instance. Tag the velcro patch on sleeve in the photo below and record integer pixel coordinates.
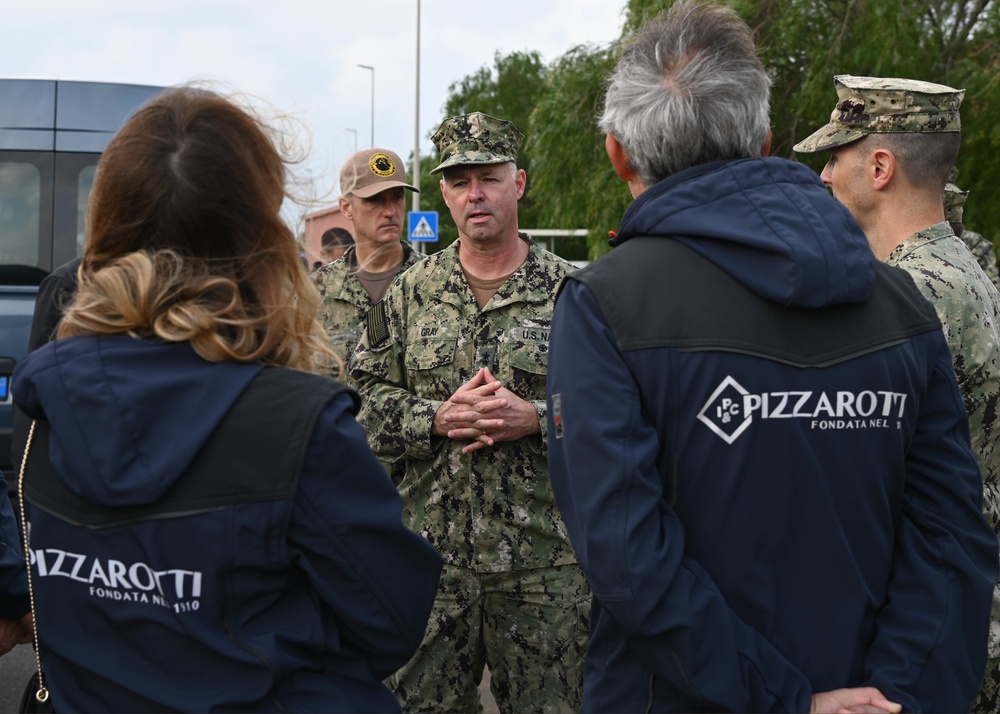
(557, 419)
(377, 325)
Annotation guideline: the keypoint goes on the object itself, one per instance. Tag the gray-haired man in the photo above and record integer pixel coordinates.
(756, 439)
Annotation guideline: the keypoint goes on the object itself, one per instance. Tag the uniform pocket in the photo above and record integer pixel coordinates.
(528, 361)
(345, 341)
(430, 366)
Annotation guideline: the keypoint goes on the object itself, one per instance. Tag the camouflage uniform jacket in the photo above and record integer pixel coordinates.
(968, 305)
(344, 300)
(492, 510)
(985, 254)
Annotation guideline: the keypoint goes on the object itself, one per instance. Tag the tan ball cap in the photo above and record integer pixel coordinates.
(372, 171)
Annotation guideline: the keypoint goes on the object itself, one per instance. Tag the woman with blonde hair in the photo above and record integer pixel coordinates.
(208, 528)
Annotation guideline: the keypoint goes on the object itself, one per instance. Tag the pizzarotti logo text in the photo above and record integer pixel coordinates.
(732, 409)
(179, 590)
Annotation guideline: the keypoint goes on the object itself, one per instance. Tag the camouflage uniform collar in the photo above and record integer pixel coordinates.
(931, 234)
(351, 258)
(935, 232)
(516, 289)
(332, 274)
(453, 289)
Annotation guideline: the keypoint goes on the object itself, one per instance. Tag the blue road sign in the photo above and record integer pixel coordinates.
(422, 226)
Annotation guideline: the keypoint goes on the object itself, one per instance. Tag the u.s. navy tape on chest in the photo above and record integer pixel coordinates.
(531, 335)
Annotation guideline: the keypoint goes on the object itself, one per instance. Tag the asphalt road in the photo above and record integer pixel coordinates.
(15, 668)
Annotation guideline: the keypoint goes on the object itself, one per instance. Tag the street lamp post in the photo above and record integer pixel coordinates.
(372, 70)
(416, 125)
(421, 247)
(355, 132)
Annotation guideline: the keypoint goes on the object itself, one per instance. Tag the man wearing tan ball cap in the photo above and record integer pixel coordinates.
(893, 143)
(372, 184)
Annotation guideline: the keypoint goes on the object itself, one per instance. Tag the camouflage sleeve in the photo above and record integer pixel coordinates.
(985, 254)
(542, 410)
(398, 423)
(987, 257)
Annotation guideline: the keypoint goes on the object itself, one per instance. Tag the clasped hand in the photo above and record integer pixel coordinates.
(485, 412)
(856, 700)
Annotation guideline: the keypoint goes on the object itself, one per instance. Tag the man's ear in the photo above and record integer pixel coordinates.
(619, 159)
(766, 149)
(444, 194)
(520, 181)
(345, 208)
(882, 167)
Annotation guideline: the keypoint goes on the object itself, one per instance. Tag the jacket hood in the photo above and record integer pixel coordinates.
(768, 222)
(128, 416)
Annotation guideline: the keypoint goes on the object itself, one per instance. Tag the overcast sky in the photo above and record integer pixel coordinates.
(301, 56)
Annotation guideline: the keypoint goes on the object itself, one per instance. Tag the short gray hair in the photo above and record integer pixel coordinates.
(688, 89)
(927, 159)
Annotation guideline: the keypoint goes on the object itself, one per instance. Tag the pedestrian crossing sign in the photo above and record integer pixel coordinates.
(422, 226)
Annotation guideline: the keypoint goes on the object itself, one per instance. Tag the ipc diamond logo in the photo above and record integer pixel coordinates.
(723, 412)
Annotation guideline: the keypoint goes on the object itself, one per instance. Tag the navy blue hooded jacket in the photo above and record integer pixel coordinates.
(759, 450)
(298, 590)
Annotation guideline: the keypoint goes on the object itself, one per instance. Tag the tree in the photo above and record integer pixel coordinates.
(952, 42)
(804, 43)
(575, 184)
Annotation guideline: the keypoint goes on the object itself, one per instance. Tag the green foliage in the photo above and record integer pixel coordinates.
(803, 42)
(574, 182)
(953, 42)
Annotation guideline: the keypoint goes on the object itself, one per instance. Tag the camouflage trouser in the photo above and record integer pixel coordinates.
(529, 626)
(988, 699)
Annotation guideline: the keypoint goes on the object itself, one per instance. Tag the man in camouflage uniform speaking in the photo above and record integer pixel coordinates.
(372, 184)
(892, 144)
(452, 369)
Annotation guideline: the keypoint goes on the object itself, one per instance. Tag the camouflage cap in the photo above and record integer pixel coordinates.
(373, 171)
(879, 105)
(954, 200)
(476, 138)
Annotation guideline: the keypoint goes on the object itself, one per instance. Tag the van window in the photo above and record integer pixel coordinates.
(20, 212)
(85, 184)
(25, 212)
(40, 191)
(74, 180)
